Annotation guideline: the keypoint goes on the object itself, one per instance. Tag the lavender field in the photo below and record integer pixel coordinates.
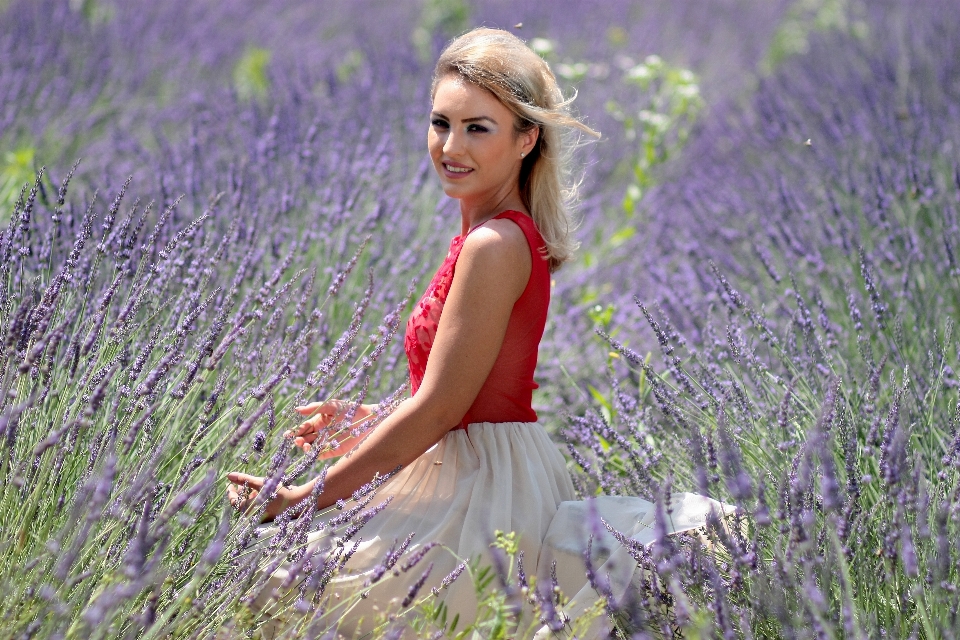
(212, 212)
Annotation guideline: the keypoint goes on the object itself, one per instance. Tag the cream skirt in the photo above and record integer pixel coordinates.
(506, 476)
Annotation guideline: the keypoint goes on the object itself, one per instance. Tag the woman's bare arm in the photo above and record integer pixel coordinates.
(492, 270)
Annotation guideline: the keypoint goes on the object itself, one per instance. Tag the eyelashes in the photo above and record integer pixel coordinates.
(471, 128)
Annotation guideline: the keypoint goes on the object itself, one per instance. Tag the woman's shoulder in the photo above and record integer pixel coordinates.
(499, 238)
(497, 251)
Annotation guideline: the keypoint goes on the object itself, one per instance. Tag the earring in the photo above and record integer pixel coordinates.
(522, 154)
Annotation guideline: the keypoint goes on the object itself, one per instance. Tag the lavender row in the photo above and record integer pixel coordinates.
(797, 284)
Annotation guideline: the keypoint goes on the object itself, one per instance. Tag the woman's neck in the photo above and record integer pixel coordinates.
(472, 215)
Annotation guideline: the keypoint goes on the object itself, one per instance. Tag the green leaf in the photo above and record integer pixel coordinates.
(622, 236)
(446, 17)
(350, 64)
(606, 409)
(642, 386)
(18, 169)
(598, 396)
(250, 74)
(601, 315)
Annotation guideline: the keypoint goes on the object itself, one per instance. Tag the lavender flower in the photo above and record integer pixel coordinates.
(451, 577)
(415, 558)
(415, 587)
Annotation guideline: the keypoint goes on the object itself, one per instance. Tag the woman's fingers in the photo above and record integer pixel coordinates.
(304, 428)
(308, 435)
(330, 408)
(239, 497)
(309, 426)
(305, 434)
(243, 489)
(309, 409)
(321, 415)
(245, 480)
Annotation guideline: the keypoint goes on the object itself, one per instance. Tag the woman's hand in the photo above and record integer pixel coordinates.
(243, 490)
(321, 416)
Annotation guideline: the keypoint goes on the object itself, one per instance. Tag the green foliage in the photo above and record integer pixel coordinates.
(660, 123)
(352, 62)
(448, 18)
(250, 77)
(617, 36)
(807, 16)
(17, 169)
(94, 11)
(601, 314)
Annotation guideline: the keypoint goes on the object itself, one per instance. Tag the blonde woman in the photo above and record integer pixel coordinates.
(473, 457)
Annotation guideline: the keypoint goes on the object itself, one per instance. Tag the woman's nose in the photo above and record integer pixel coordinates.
(453, 145)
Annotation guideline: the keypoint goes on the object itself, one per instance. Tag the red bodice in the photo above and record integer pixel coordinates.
(507, 393)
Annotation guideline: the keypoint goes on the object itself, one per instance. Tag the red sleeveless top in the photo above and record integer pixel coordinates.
(507, 394)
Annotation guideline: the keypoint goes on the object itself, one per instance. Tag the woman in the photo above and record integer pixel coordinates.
(473, 458)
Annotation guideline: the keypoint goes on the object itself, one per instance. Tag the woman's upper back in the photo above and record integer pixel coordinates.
(507, 393)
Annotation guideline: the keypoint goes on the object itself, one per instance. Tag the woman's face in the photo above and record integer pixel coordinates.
(473, 144)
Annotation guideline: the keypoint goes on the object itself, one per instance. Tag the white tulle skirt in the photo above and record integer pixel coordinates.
(492, 476)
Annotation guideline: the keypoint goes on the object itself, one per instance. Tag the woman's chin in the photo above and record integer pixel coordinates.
(455, 191)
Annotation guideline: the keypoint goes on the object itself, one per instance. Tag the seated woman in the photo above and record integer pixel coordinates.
(473, 457)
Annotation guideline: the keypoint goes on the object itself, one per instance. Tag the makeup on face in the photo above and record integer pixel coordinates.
(473, 145)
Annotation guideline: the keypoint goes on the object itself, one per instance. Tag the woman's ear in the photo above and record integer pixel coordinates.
(529, 140)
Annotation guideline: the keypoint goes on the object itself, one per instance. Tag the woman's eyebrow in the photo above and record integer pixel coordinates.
(437, 114)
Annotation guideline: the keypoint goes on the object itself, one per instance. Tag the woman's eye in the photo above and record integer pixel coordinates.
(477, 128)
(440, 124)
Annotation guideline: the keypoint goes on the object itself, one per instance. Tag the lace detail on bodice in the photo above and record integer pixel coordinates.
(423, 322)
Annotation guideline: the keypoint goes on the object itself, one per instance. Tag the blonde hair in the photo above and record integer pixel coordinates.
(504, 65)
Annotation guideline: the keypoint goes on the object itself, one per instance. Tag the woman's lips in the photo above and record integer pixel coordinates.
(454, 171)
